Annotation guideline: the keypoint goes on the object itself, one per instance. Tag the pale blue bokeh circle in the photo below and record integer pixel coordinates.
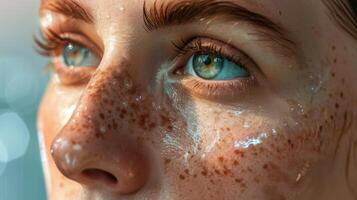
(3, 157)
(14, 136)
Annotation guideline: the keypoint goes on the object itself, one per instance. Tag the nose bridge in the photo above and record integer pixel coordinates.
(101, 134)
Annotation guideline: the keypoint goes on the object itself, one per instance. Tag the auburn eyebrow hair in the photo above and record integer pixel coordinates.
(161, 15)
(68, 8)
(343, 12)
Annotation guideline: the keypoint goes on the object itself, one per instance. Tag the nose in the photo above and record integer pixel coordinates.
(99, 147)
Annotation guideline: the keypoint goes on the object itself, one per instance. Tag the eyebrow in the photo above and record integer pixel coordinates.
(343, 12)
(184, 12)
(68, 8)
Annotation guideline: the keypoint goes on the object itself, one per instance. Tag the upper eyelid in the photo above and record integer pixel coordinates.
(50, 36)
(205, 44)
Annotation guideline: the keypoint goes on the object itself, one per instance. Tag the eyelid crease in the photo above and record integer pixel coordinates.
(173, 13)
(68, 8)
(188, 47)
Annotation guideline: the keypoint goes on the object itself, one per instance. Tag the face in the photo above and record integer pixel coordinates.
(198, 100)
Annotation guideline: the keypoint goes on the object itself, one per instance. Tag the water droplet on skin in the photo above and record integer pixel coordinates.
(121, 8)
(124, 104)
(128, 84)
(246, 125)
(250, 141)
(238, 113)
(274, 131)
(77, 147)
(67, 158)
(202, 19)
(139, 98)
(102, 129)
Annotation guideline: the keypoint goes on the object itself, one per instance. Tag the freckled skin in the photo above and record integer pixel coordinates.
(124, 135)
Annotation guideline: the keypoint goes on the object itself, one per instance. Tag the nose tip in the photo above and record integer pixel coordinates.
(123, 172)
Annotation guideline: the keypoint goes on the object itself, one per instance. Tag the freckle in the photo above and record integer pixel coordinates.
(333, 47)
(204, 172)
(290, 143)
(102, 115)
(186, 171)
(226, 171)
(280, 13)
(167, 161)
(265, 166)
(169, 127)
(182, 177)
(333, 74)
(335, 60)
(217, 171)
(235, 163)
(221, 159)
(228, 129)
(332, 117)
(238, 180)
(238, 152)
(115, 125)
(152, 125)
(337, 105)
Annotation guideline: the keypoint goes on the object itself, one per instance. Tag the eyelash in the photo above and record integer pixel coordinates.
(51, 45)
(194, 45)
(48, 46)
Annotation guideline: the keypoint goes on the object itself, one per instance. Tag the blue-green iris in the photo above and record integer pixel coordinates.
(214, 67)
(77, 55)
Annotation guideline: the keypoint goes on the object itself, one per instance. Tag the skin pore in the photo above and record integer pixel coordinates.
(138, 121)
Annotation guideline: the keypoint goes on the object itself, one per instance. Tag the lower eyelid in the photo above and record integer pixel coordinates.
(217, 89)
(73, 75)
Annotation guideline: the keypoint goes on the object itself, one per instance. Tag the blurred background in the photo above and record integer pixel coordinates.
(22, 83)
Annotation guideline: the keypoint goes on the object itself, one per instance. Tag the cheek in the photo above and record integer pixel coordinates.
(256, 154)
(56, 108)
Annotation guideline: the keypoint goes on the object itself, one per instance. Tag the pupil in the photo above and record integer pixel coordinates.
(207, 60)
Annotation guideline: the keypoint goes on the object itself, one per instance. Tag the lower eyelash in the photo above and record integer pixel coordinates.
(217, 88)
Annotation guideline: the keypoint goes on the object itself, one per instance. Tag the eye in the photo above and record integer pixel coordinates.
(212, 66)
(75, 55)
(214, 70)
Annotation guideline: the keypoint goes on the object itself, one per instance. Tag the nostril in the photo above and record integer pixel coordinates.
(99, 175)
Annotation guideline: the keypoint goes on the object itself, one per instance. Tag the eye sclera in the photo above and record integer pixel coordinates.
(212, 88)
